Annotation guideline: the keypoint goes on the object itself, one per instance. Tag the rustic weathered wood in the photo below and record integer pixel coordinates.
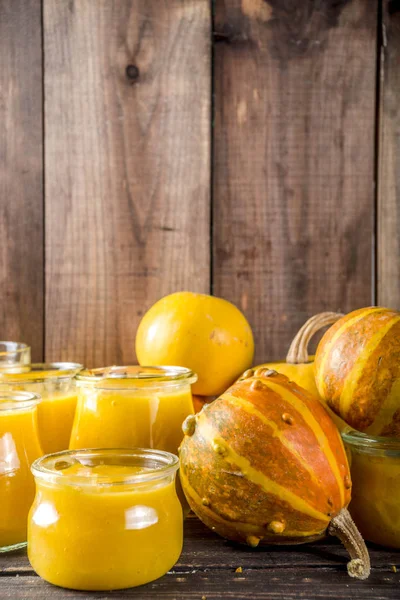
(204, 550)
(388, 242)
(217, 585)
(293, 160)
(127, 92)
(21, 174)
(207, 568)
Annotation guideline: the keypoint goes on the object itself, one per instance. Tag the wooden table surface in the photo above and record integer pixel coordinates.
(207, 571)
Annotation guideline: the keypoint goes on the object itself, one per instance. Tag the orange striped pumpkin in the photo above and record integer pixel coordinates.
(265, 462)
(357, 368)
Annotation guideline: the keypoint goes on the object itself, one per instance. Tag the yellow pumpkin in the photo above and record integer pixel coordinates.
(299, 365)
(206, 334)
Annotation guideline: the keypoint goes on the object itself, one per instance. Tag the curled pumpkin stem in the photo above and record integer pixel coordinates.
(343, 527)
(298, 351)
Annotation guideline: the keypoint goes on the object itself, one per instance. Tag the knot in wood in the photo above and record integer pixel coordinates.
(132, 72)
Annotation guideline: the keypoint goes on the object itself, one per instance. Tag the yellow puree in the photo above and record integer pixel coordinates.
(123, 418)
(56, 412)
(55, 418)
(98, 538)
(19, 447)
(375, 504)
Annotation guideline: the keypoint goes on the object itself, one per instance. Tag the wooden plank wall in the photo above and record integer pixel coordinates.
(21, 174)
(226, 145)
(388, 241)
(127, 152)
(294, 161)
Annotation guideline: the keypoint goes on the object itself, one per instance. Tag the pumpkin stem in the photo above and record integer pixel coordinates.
(298, 351)
(343, 527)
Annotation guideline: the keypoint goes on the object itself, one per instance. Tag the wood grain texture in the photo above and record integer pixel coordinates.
(207, 568)
(388, 230)
(21, 174)
(294, 160)
(253, 585)
(204, 549)
(127, 93)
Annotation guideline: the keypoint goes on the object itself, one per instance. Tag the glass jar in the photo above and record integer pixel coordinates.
(14, 356)
(55, 383)
(105, 519)
(19, 447)
(126, 407)
(375, 472)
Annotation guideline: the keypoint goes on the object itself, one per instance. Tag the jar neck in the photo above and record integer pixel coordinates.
(136, 377)
(41, 373)
(13, 401)
(108, 469)
(14, 357)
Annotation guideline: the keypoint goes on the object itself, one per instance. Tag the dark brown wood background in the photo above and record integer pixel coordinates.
(246, 147)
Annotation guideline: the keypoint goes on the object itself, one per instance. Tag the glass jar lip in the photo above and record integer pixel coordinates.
(16, 400)
(45, 467)
(38, 372)
(151, 375)
(369, 443)
(7, 347)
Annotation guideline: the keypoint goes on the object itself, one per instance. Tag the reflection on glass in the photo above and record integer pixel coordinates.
(140, 517)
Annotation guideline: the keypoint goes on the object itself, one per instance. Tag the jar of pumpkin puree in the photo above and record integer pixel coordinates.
(133, 406)
(105, 519)
(55, 383)
(19, 447)
(375, 472)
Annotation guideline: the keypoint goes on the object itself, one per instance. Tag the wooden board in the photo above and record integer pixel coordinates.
(388, 241)
(21, 174)
(207, 569)
(127, 95)
(293, 190)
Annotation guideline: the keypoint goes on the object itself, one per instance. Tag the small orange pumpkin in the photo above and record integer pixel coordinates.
(357, 368)
(265, 462)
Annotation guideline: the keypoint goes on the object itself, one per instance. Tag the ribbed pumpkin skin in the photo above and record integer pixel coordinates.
(357, 368)
(264, 461)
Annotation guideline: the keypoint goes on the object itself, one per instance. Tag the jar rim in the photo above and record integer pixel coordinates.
(48, 467)
(7, 347)
(369, 443)
(38, 372)
(148, 375)
(16, 400)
